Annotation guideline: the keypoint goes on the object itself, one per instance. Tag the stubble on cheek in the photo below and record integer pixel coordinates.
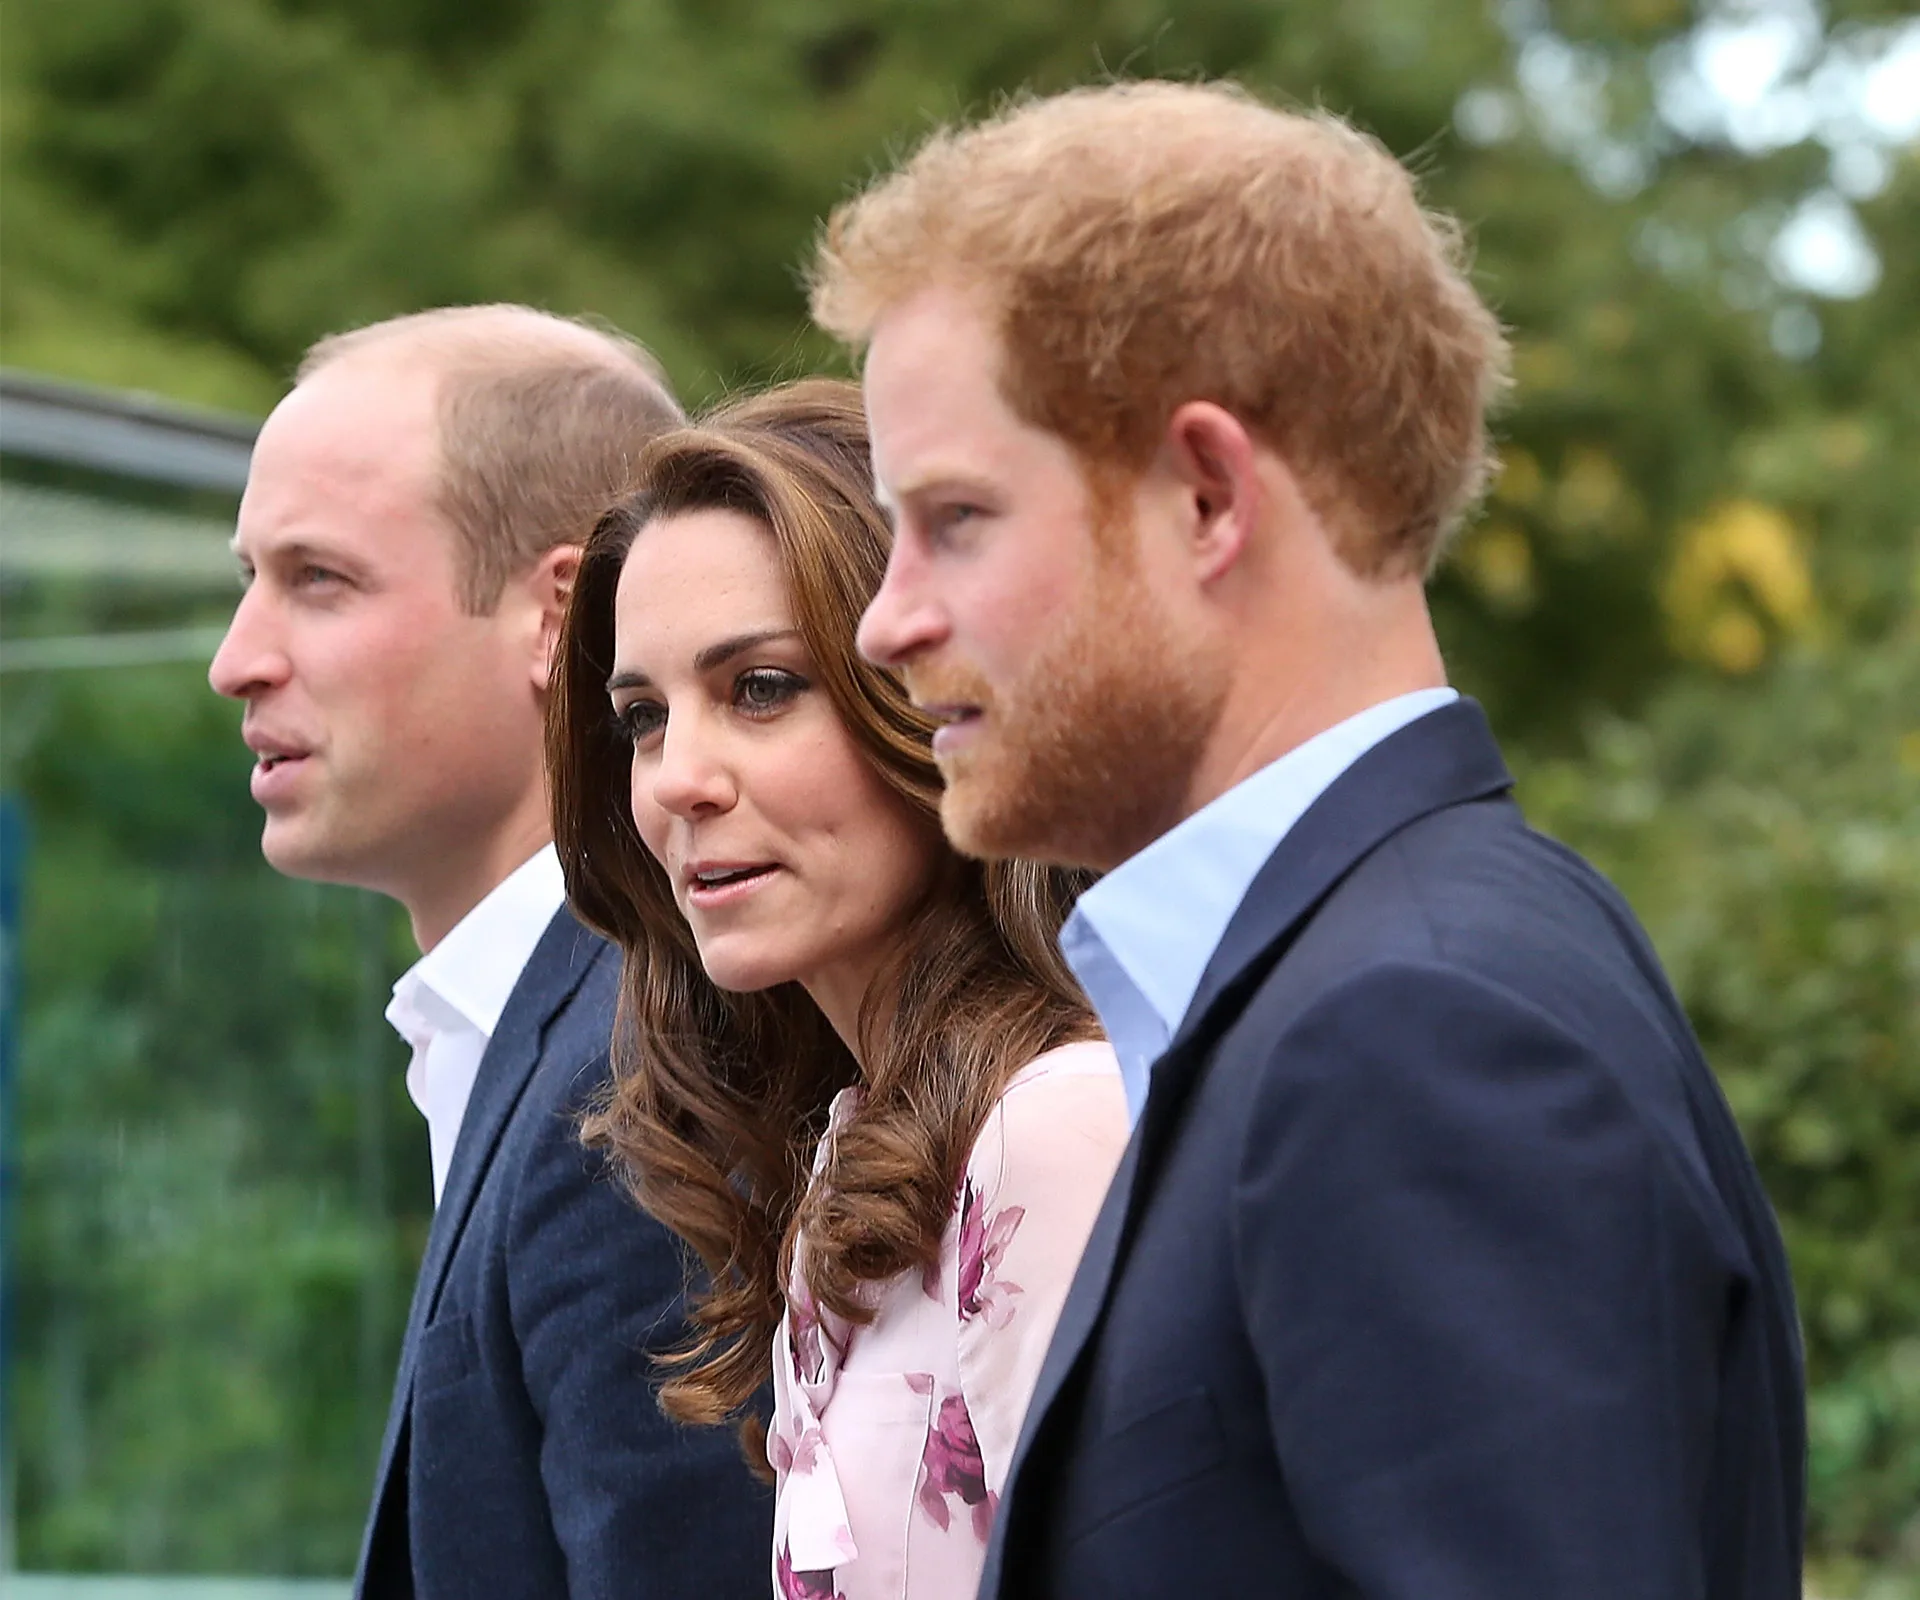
(1087, 757)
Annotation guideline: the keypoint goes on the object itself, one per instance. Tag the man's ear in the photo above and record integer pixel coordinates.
(552, 579)
(1214, 460)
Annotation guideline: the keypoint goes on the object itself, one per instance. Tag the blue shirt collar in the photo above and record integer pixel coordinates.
(1140, 939)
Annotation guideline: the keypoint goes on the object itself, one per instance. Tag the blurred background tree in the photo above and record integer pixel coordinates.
(1690, 605)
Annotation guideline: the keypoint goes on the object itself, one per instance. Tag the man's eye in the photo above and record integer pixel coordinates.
(765, 689)
(950, 521)
(638, 722)
(310, 577)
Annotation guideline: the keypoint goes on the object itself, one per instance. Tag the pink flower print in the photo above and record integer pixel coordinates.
(951, 1465)
(798, 1454)
(803, 1585)
(983, 1241)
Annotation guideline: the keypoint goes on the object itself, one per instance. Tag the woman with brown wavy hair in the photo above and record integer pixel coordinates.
(851, 1069)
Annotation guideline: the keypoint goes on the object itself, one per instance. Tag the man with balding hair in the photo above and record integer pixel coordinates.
(1436, 1268)
(409, 535)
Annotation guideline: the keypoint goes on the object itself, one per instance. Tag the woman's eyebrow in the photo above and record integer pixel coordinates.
(718, 655)
(715, 655)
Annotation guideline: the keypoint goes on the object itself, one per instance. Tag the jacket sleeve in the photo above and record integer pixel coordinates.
(1484, 1298)
(644, 1508)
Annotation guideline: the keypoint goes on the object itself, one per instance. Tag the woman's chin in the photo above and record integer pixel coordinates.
(738, 972)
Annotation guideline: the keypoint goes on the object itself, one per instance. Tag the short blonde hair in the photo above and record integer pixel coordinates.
(541, 420)
(1140, 245)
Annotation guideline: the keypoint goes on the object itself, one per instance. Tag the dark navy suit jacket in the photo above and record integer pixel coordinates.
(1436, 1268)
(524, 1454)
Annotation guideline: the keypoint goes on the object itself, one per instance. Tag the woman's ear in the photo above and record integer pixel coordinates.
(1213, 458)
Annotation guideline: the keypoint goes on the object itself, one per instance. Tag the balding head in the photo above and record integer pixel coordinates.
(496, 336)
(540, 420)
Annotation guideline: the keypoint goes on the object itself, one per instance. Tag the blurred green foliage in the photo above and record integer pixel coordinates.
(221, 1189)
(1769, 835)
(1690, 605)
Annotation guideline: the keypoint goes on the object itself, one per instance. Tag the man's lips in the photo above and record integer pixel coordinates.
(958, 724)
(269, 751)
(274, 777)
(276, 765)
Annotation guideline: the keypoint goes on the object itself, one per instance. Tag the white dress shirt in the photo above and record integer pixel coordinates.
(447, 1004)
(1140, 939)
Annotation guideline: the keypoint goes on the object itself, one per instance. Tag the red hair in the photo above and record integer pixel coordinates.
(1141, 245)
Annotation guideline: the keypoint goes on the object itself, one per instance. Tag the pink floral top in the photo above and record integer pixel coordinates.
(892, 1441)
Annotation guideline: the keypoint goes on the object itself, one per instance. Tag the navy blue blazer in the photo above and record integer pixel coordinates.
(524, 1454)
(1436, 1268)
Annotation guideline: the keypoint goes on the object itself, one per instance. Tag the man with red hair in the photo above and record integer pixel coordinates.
(1436, 1269)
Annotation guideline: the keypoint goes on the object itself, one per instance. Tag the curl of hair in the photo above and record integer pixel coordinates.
(719, 1099)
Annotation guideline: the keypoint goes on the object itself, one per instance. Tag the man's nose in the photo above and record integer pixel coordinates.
(903, 619)
(249, 659)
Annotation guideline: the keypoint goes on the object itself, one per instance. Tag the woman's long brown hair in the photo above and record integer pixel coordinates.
(719, 1099)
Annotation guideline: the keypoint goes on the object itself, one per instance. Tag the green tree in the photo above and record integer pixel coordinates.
(1690, 603)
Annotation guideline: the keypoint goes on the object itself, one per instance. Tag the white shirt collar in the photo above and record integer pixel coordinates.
(1140, 939)
(474, 968)
(448, 1003)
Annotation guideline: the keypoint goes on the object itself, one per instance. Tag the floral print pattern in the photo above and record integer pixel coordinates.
(951, 1465)
(791, 1585)
(799, 1452)
(891, 1439)
(984, 1238)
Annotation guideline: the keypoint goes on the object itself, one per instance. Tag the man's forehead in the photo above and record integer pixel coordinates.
(347, 430)
(939, 336)
(934, 408)
(361, 409)
(337, 458)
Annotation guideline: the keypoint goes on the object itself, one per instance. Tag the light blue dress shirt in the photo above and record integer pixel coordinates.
(1140, 939)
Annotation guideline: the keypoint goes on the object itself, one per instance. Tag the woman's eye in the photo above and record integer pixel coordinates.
(766, 689)
(639, 721)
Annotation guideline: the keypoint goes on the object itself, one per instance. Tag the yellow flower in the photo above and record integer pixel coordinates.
(1738, 576)
(1734, 642)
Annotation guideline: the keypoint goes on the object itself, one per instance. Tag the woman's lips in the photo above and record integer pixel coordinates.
(714, 896)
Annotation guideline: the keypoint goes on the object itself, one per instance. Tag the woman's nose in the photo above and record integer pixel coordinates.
(691, 776)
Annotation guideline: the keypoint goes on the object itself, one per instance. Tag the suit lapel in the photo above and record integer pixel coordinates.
(560, 961)
(1445, 758)
(565, 954)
